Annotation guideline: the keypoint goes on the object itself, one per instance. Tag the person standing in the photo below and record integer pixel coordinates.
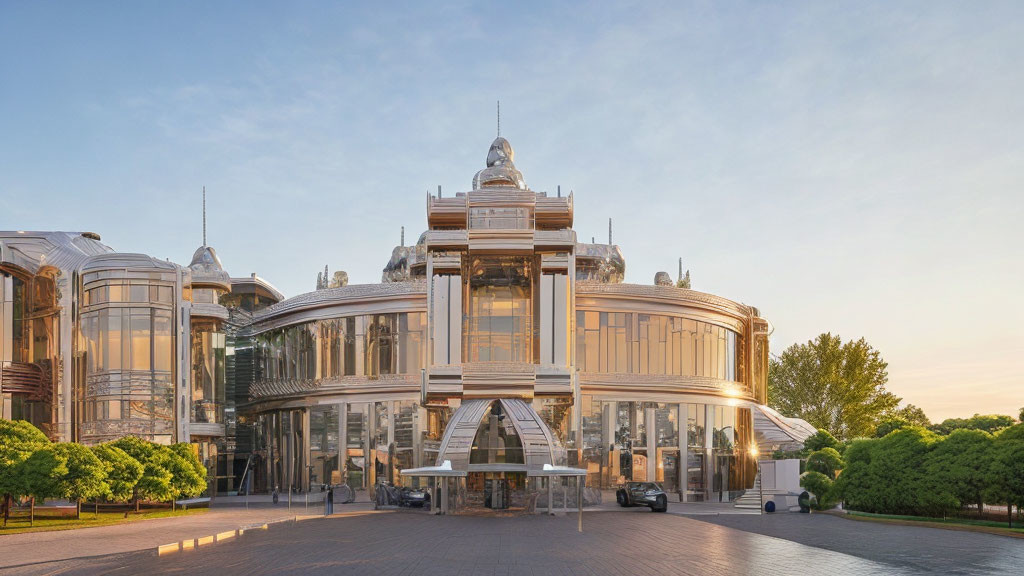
(330, 500)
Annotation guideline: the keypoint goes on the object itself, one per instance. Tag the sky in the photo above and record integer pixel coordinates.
(854, 168)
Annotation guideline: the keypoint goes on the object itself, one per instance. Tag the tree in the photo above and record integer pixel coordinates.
(123, 471)
(40, 475)
(18, 439)
(889, 425)
(886, 475)
(959, 464)
(827, 461)
(856, 484)
(821, 486)
(990, 423)
(913, 416)
(822, 439)
(155, 483)
(188, 475)
(1006, 472)
(833, 385)
(86, 476)
(1020, 417)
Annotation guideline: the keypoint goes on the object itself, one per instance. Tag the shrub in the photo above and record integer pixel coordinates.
(821, 439)
(821, 486)
(958, 466)
(826, 461)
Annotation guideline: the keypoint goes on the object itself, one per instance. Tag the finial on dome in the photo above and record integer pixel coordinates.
(204, 215)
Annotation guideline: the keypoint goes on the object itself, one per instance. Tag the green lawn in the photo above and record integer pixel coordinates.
(20, 524)
(987, 525)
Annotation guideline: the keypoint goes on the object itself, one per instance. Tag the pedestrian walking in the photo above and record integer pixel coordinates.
(330, 500)
(275, 494)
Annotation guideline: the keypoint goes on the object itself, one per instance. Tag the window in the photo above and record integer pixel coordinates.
(499, 326)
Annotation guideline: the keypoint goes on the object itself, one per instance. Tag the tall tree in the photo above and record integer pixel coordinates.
(835, 385)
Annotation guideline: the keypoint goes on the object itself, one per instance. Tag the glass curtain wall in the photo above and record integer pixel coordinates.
(208, 372)
(128, 348)
(629, 343)
(323, 444)
(370, 345)
(639, 441)
(499, 311)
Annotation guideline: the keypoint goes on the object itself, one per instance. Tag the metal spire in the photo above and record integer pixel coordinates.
(609, 231)
(204, 215)
(403, 235)
(499, 118)
(680, 269)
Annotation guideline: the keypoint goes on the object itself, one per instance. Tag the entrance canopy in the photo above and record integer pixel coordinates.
(506, 434)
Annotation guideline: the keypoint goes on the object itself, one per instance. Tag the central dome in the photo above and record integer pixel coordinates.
(500, 171)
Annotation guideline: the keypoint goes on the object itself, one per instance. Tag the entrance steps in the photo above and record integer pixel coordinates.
(751, 499)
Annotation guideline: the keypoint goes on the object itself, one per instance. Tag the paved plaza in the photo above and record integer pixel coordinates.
(628, 542)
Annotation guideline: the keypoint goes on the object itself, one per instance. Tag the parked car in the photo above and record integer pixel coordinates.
(413, 497)
(642, 494)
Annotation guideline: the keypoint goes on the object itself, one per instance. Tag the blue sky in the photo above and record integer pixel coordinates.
(850, 168)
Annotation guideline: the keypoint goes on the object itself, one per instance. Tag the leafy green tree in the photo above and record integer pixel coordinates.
(123, 471)
(990, 423)
(821, 486)
(822, 439)
(835, 385)
(1020, 417)
(959, 464)
(888, 425)
(188, 475)
(826, 461)
(856, 484)
(41, 474)
(156, 481)
(1006, 473)
(85, 478)
(887, 475)
(913, 416)
(18, 439)
(155, 484)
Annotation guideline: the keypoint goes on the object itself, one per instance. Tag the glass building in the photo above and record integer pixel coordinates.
(496, 347)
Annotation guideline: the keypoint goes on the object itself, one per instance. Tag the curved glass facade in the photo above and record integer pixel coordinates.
(128, 354)
(651, 344)
(367, 345)
(696, 449)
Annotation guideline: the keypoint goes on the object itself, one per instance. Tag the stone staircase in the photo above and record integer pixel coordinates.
(751, 499)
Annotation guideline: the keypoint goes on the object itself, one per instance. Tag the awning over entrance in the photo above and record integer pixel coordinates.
(442, 471)
(540, 447)
(773, 431)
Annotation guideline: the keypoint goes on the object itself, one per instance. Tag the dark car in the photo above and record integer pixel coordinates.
(413, 497)
(642, 494)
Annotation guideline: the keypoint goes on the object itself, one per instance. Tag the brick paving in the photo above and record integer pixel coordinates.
(402, 543)
(37, 548)
(916, 548)
(628, 542)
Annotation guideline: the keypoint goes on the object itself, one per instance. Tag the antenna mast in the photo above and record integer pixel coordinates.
(204, 215)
